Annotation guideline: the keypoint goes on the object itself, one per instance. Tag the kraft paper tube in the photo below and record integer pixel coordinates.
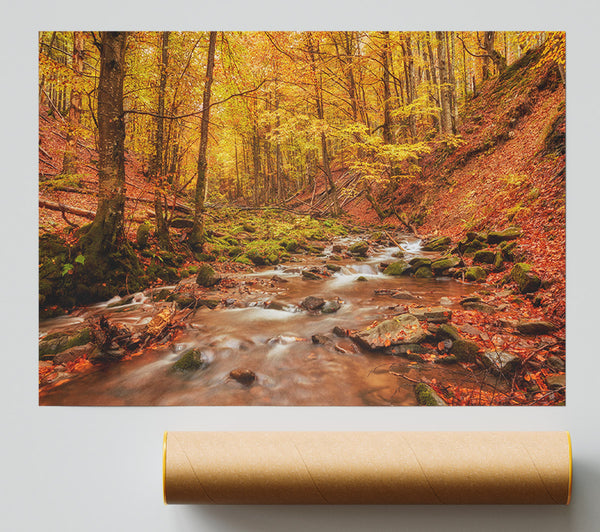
(367, 467)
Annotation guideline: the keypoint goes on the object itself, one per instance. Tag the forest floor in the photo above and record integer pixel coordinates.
(507, 170)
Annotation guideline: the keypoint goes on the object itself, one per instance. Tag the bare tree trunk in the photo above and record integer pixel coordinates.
(106, 231)
(388, 136)
(446, 99)
(196, 237)
(317, 81)
(70, 155)
(158, 166)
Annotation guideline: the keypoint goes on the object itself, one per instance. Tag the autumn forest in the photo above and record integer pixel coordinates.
(302, 218)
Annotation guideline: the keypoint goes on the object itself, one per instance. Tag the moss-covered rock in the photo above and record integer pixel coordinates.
(400, 267)
(190, 361)
(417, 262)
(498, 260)
(484, 256)
(526, 279)
(424, 272)
(207, 276)
(333, 267)
(448, 331)
(142, 235)
(441, 243)
(535, 327)
(361, 279)
(264, 252)
(512, 233)
(508, 250)
(58, 343)
(359, 248)
(475, 273)
(182, 223)
(464, 350)
(440, 265)
(310, 276)
(426, 396)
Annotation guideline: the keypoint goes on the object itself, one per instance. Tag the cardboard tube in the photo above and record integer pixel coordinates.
(367, 467)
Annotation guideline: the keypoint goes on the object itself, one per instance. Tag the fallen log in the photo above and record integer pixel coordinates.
(90, 215)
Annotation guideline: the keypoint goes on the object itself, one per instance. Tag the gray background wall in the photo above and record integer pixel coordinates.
(96, 469)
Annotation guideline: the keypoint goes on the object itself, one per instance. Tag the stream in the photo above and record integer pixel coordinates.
(275, 344)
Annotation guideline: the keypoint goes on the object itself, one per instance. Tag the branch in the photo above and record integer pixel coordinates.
(195, 113)
(468, 51)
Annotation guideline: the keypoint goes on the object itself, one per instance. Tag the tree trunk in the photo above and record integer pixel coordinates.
(445, 95)
(388, 136)
(106, 232)
(497, 58)
(158, 164)
(317, 82)
(70, 155)
(196, 236)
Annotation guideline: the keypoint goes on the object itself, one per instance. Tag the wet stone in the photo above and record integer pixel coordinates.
(319, 339)
(243, 376)
(427, 396)
(331, 306)
(312, 303)
(500, 362)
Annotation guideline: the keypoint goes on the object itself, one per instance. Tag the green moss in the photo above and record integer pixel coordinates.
(424, 272)
(359, 248)
(58, 344)
(464, 350)
(526, 280)
(190, 361)
(475, 273)
(207, 276)
(426, 396)
(400, 267)
(142, 235)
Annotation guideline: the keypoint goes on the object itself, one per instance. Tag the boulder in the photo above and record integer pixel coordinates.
(475, 273)
(500, 362)
(359, 248)
(498, 261)
(312, 303)
(526, 280)
(207, 276)
(331, 306)
(508, 250)
(441, 243)
(431, 314)
(426, 396)
(484, 256)
(243, 376)
(512, 233)
(417, 262)
(448, 331)
(400, 267)
(310, 276)
(535, 327)
(479, 306)
(319, 339)
(340, 331)
(424, 272)
(333, 267)
(440, 265)
(183, 299)
(56, 343)
(465, 350)
(190, 361)
(445, 301)
(404, 329)
(361, 279)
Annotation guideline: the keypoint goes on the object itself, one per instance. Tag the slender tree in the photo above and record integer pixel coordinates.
(196, 237)
(70, 155)
(158, 165)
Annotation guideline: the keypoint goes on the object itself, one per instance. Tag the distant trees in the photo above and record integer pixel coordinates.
(254, 117)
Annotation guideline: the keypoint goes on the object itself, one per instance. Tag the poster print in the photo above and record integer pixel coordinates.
(302, 218)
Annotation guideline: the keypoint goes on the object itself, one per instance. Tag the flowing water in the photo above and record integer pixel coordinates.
(275, 344)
